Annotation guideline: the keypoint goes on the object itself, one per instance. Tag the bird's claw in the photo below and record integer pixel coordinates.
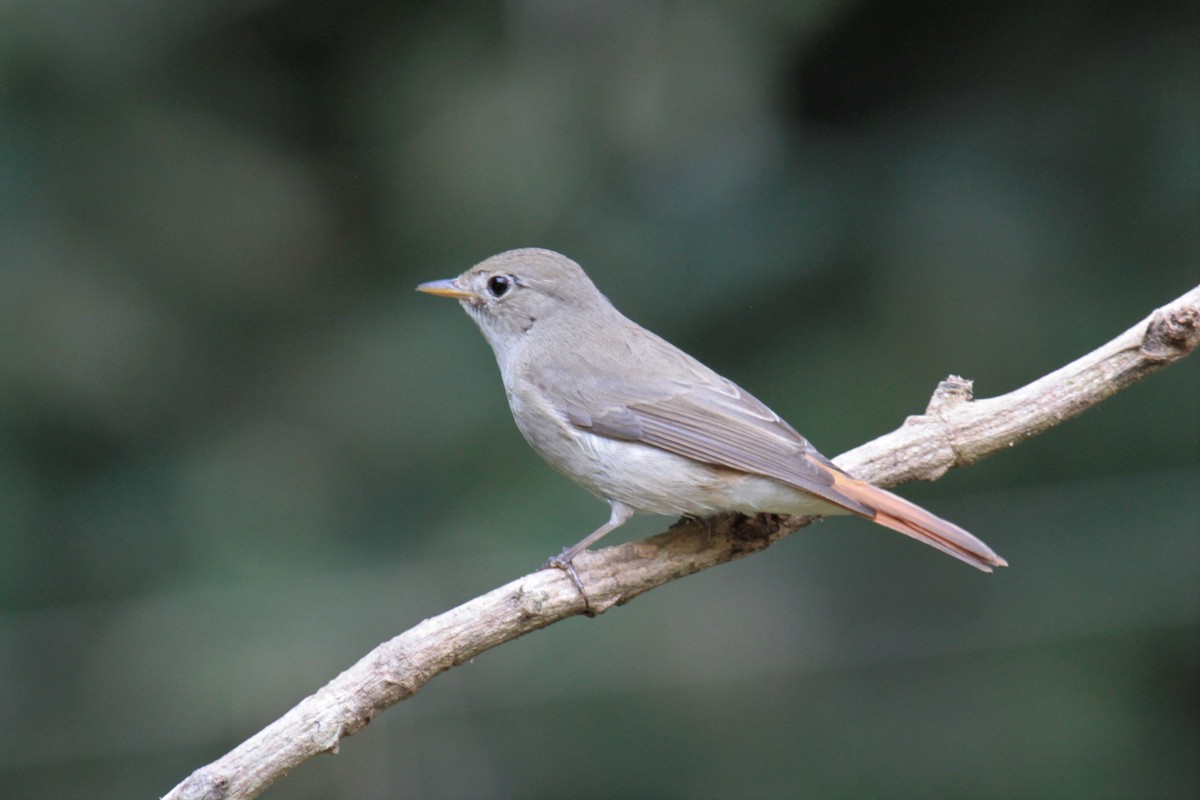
(568, 566)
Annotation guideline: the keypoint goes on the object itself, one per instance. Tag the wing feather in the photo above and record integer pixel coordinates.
(707, 418)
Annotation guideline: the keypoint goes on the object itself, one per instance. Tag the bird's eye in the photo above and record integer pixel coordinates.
(498, 285)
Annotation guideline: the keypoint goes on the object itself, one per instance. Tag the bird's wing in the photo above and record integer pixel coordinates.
(699, 415)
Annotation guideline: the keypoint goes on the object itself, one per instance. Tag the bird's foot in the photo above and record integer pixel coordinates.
(706, 524)
(567, 565)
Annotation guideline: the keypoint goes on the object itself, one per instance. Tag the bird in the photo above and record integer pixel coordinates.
(648, 428)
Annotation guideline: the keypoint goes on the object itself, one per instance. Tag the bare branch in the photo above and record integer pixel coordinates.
(954, 431)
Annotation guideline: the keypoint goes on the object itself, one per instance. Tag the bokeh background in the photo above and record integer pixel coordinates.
(237, 451)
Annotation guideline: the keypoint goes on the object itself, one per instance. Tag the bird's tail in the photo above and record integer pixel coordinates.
(910, 519)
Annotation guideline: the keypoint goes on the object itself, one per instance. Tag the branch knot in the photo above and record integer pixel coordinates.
(1172, 332)
(951, 394)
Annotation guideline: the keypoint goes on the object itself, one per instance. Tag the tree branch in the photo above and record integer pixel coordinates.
(954, 431)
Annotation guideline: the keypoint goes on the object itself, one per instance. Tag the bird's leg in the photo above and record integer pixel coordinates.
(619, 516)
(686, 520)
(707, 524)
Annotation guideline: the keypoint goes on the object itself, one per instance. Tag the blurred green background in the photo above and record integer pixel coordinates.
(237, 451)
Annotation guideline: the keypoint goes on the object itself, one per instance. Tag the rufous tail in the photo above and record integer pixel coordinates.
(910, 519)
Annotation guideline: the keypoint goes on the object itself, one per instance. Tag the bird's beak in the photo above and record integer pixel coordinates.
(446, 288)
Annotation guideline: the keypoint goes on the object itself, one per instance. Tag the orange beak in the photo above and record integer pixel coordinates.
(446, 288)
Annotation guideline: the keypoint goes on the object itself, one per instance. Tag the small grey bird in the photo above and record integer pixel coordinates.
(640, 423)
